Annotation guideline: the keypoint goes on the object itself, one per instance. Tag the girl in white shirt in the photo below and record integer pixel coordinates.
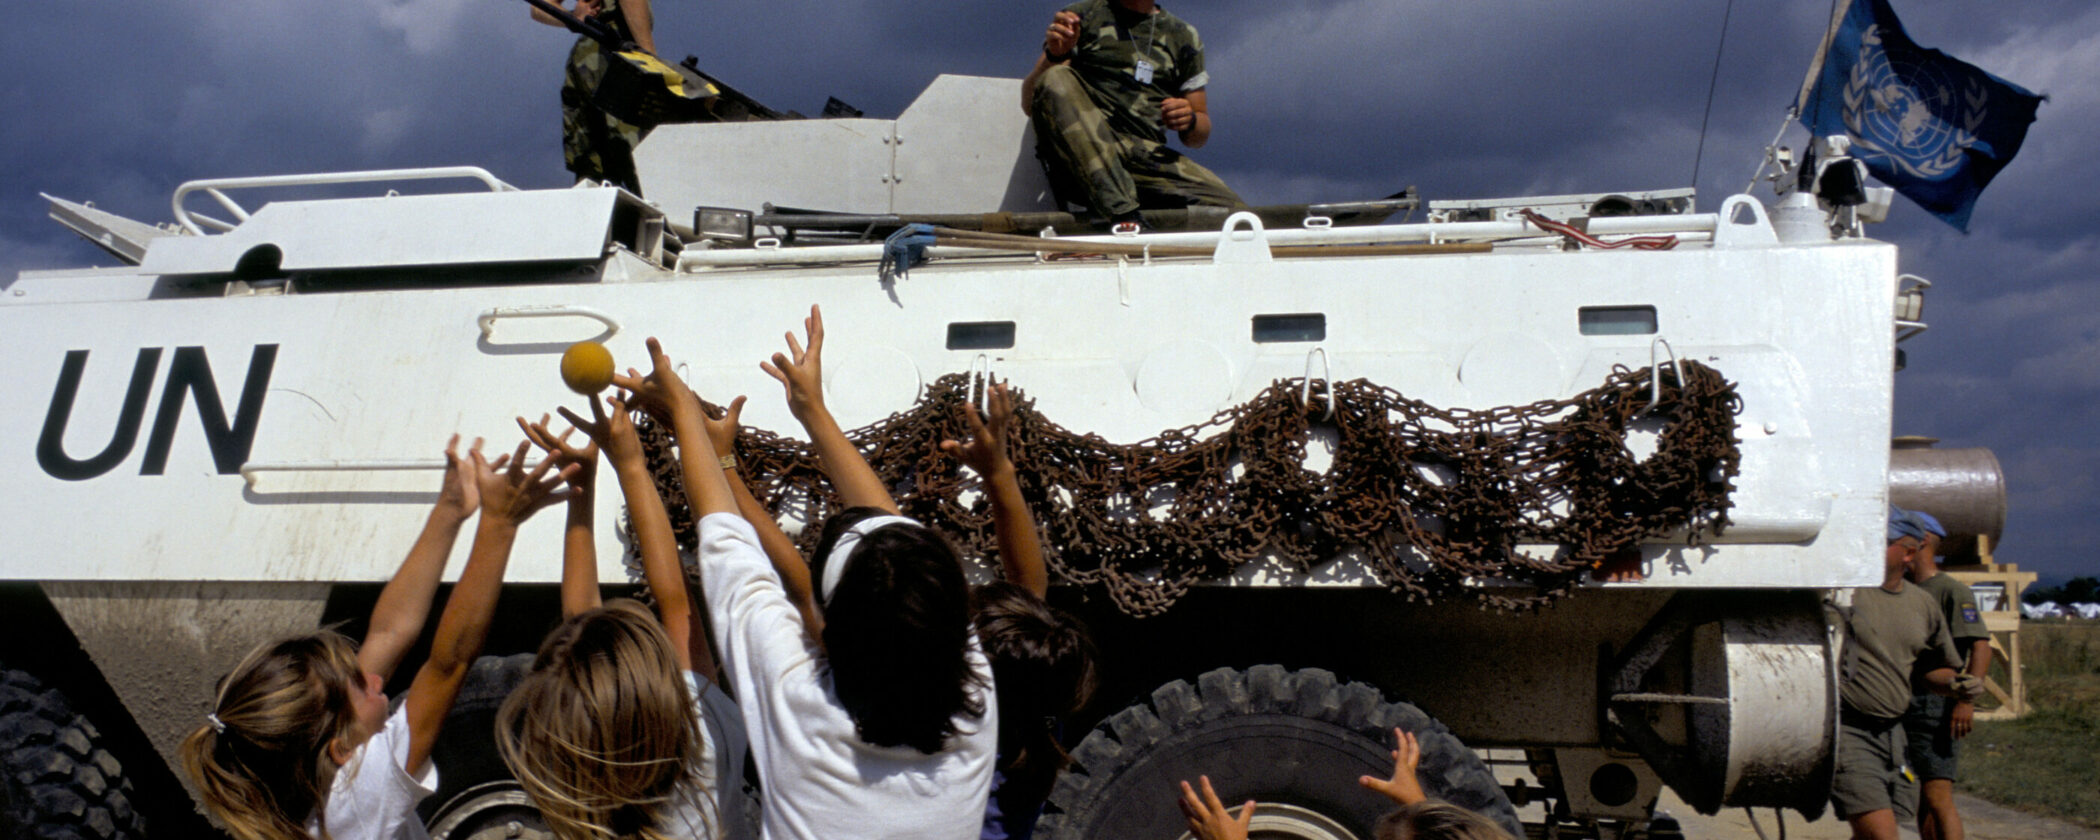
(868, 698)
(299, 741)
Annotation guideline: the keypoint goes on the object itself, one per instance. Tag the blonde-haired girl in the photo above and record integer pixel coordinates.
(620, 730)
(299, 741)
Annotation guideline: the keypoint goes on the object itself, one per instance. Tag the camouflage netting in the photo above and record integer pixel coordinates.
(1435, 500)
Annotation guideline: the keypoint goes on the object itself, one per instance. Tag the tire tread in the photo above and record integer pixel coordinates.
(59, 783)
(1449, 769)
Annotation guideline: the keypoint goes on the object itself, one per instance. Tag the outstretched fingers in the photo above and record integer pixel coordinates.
(1207, 816)
(1403, 787)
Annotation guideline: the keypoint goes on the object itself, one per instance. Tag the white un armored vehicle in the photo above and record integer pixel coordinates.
(1572, 508)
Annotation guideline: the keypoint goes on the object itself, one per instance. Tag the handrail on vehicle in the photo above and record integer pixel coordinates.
(487, 319)
(215, 188)
(252, 471)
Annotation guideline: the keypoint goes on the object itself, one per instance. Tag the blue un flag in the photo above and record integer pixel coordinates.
(1931, 125)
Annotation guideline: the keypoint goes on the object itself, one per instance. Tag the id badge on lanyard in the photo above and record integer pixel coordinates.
(1143, 72)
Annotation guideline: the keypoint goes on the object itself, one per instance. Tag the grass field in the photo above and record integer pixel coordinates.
(2049, 761)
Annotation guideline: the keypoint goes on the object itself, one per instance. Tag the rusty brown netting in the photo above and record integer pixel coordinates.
(1436, 501)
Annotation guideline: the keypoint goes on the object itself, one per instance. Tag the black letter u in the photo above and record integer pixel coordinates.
(50, 446)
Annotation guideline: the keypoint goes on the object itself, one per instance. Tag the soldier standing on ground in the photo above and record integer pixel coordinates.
(1935, 725)
(1113, 76)
(594, 145)
(1891, 630)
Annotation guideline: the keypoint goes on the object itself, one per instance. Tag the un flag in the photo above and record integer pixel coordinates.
(1931, 125)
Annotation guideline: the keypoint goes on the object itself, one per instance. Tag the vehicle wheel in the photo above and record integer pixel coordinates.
(490, 811)
(1293, 741)
(59, 781)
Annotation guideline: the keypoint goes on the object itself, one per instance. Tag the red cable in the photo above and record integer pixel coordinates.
(1643, 243)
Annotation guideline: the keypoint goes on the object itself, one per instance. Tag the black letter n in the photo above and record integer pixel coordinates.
(190, 372)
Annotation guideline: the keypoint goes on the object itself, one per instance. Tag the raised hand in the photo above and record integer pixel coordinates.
(661, 393)
(801, 370)
(614, 432)
(459, 496)
(1403, 788)
(1062, 36)
(1208, 818)
(559, 447)
(511, 495)
(722, 430)
(985, 451)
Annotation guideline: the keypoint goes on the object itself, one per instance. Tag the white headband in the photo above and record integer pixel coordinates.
(835, 562)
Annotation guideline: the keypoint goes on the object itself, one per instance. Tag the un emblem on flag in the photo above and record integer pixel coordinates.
(1906, 112)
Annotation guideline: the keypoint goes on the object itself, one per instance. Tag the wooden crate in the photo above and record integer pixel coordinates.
(1978, 569)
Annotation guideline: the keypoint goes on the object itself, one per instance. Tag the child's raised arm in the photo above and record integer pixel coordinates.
(665, 396)
(403, 606)
(802, 372)
(508, 497)
(656, 543)
(787, 560)
(579, 552)
(1020, 546)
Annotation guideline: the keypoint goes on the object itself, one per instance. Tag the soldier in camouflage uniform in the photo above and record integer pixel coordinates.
(595, 145)
(1113, 76)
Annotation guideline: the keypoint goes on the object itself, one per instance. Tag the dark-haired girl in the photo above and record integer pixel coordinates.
(1042, 658)
(871, 714)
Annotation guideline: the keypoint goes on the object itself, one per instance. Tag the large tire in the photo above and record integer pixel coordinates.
(1288, 739)
(59, 780)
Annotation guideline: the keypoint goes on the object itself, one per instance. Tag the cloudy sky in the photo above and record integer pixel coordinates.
(118, 101)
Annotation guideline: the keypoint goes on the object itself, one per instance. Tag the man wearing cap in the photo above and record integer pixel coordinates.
(1113, 76)
(1891, 631)
(1934, 725)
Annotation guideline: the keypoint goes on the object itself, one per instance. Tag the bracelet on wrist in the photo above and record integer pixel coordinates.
(728, 462)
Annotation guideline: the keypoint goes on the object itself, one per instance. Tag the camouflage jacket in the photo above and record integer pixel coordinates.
(1113, 40)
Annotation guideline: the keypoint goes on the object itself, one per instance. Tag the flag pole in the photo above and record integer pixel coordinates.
(1838, 10)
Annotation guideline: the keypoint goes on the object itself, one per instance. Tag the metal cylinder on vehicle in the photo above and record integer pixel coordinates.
(1963, 488)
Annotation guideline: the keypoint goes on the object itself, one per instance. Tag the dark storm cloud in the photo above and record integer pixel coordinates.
(118, 101)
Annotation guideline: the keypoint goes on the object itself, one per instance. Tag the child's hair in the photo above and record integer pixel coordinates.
(260, 761)
(1432, 819)
(601, 732)
(897, 634)
(1043, 669)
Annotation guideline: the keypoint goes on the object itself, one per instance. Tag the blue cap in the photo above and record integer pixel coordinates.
(1902, 525)
(1931, 525)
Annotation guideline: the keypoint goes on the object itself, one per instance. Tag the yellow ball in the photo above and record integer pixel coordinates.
(587, 366)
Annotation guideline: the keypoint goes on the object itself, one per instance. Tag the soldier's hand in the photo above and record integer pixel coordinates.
(1062, 36)
(1177, 113)
(1961, 720)
(1967, 687)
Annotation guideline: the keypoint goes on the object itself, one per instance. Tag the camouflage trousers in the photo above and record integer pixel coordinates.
(593, 144)
(1120, 173)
